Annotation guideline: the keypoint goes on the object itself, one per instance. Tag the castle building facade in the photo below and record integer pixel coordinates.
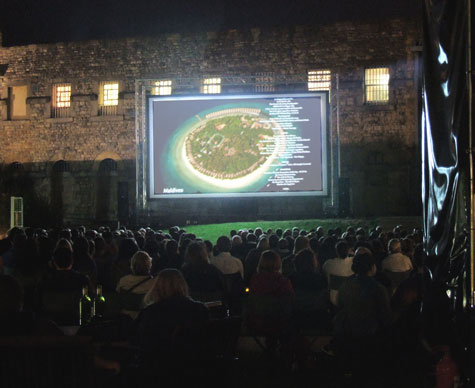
(73, 119)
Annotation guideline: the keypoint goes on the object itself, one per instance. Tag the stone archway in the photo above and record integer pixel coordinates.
(106, 191)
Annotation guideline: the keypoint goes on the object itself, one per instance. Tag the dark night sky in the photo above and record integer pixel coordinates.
(30, 21)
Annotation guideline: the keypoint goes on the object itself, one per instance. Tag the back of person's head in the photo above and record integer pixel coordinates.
(283, 244)
(233, 232)
(258, 232)
(363, 262)
(196, 253)
(151, 247)
(236, 241)
(394, 246)
(140, 264)
(63, 243)
(171, 247)
(81, 246)
(263, 243)
(305, 261)
(63, 258)
(223, 244)
(301, 242)
(269, 261)
(11, 291)
(342, 248)
(127, 248)
(314, 245)
(279, 232)
(13, 232)
(66, 233)
(407, 246)
(251, 237)
(273, 241)
(168, 284)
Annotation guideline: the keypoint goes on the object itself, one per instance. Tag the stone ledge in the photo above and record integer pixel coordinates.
(17, 121)
(38, 100)
(107, 118)
(59, 120)
(127, 95)
(83, 97)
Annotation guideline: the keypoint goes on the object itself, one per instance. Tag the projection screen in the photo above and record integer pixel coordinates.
(237, 145)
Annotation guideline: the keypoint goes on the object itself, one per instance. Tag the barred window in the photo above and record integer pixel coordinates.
(108, 98)
(377, 85)
(162, 88)
(211, 86)
(61, 100)
(265, 82)
(319, 80)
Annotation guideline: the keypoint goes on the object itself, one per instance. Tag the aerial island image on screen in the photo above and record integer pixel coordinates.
(230, 148)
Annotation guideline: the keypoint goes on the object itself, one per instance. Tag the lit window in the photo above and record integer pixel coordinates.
(61, 100)
(265, 82)
(377, 85)
(319, 80)
(162, 88)
(211, 86)
(108, 98)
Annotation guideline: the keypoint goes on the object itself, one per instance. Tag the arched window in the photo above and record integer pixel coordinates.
(16, 167)
(60, 166)
(108, 165)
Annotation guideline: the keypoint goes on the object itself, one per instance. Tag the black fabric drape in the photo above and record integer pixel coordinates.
(445, 129)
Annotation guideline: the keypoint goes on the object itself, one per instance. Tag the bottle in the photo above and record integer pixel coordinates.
(85, 308)
(99, 303)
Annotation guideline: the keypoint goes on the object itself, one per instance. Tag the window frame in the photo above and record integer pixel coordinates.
(374, 88)
(211, 85)
(108, 109)
(317, 80)
(60, 111)
(163, 87)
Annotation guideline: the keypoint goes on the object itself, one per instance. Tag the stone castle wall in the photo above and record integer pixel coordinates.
(372, 146)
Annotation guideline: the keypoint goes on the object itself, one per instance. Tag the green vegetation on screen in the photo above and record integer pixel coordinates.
(229, 145)
(213, 231)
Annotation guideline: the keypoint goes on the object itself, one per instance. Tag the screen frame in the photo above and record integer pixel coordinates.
(324, 117)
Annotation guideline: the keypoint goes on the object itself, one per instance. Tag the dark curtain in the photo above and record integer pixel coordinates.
(445, 137)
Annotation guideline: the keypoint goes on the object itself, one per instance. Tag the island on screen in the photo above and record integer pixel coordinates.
(246, 145)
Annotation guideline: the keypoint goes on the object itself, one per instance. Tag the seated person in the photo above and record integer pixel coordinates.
(224, 261)
(61, 289)
(169, 307)
(396, 261)
(205, 281)
(132, 288)
(271, 297)
(13, 320)
(311, 293)
(339, 266)
(363, 316)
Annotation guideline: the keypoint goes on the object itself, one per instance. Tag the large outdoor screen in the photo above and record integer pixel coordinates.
(246, 145)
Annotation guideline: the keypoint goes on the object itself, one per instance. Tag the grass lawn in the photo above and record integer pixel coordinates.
(213, 231)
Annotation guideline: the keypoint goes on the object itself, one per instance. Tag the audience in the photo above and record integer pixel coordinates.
(285, 296)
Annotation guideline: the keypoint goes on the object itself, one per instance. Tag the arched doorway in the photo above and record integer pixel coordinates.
(106, 192)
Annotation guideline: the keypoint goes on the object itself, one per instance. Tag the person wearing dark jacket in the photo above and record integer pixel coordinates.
(203, 279)
(169, 308)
